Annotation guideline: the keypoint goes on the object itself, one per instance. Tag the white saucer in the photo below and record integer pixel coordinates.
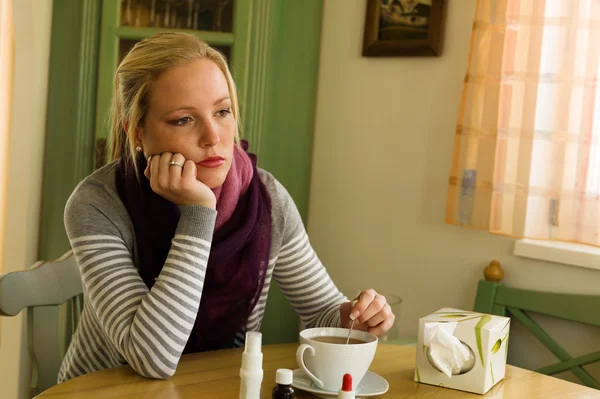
(371, 385)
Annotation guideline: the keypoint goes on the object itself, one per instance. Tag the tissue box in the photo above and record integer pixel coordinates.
(486, 337)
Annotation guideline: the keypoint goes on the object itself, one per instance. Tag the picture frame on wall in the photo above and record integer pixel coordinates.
(395, 28)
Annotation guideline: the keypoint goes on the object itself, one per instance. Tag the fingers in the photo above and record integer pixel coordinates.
(189, 170)
(364, 301)
(382, 328)
(154, 162)
(163, 174)
(175, 170)
(164, 163)
(345, 309)
(372, 310)
(174, 178)
(381, 316)
(147, 170)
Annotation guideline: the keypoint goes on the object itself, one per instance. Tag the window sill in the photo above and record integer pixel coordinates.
(559, 252)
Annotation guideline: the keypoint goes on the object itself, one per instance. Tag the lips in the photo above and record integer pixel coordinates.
(211, 162)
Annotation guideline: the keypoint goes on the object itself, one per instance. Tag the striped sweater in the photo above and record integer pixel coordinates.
(125, 323)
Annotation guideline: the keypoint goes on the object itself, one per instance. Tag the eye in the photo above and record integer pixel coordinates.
(182, 121)
(224, 112)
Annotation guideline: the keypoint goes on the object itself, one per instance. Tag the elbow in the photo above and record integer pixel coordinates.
(149, 362)
(152, 370)
(163, 375)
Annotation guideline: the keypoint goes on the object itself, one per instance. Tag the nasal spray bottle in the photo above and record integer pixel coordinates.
(251, 371)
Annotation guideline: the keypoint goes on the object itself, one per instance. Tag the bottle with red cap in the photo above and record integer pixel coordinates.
(346, 392)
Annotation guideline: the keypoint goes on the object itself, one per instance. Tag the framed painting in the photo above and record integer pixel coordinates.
(404, 28)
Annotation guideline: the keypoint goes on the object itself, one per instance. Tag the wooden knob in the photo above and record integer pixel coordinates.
(493, 272)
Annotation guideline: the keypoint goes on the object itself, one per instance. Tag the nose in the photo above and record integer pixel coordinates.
(209, 135)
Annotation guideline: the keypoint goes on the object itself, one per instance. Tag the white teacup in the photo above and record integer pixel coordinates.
(327, 362)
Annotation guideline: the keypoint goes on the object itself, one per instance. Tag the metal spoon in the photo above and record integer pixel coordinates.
(352, 321)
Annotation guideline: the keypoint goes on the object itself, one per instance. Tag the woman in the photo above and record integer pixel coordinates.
(179, 237)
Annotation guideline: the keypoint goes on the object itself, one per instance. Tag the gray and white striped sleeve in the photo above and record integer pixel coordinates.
(149, 328)
(300, 274)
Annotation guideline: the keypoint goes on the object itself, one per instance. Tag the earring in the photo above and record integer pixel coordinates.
(138, 148)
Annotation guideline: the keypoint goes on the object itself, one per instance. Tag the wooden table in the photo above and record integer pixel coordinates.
(215, 375)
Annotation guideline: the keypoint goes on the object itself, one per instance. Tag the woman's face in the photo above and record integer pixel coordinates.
(189, 112)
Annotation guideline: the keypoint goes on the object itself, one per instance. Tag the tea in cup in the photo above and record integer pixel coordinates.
(324, 356)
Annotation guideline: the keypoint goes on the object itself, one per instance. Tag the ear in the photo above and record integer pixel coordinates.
(138, 134)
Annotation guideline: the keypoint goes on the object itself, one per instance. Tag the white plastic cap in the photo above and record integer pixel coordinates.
(284, 377)
(253, 342)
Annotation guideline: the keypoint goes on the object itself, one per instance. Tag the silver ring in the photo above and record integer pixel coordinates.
(175, 163)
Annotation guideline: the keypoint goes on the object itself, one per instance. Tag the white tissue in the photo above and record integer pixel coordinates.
(446, 351)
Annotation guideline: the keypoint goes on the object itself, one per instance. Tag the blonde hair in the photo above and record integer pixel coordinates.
(140, 68)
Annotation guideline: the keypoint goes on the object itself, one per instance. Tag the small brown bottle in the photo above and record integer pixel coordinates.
(283, 389)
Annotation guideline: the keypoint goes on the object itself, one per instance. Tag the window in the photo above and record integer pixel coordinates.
(568, 114)
(527, 153)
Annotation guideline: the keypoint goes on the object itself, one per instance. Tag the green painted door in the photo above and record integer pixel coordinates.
(69, 144)
(281, 129)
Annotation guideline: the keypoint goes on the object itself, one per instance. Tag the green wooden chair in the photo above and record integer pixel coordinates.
(51, 293)
(495, 298)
